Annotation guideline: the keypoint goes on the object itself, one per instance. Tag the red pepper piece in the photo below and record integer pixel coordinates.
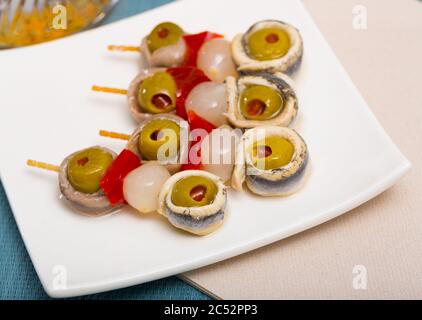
(197, 122)
(194, 42)
(186, 79)
(112, 182)
(195, 147)
(191, 166)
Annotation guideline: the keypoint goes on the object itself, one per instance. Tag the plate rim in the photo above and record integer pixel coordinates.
(346, 206)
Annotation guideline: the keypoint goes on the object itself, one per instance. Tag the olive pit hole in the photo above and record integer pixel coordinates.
(154, 135)
(198, 193)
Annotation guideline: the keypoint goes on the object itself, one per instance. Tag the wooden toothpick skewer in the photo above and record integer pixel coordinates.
(43, 165)
(114, 135)
(109, 90)
(123, 48)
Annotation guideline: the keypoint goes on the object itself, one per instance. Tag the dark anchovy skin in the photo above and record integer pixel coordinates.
(91, 211)
(294, 67)
(284, 88)
(188, 222)
(290, 71)
(274, 187)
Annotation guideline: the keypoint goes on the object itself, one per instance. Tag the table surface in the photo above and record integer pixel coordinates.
(373, 251)
(18, 279)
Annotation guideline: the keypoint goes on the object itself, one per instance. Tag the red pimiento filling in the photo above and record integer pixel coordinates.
(112, 182)
(186, 79)
(197, 122)
(194, 42)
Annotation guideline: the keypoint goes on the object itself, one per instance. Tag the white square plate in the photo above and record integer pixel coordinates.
(48, 111)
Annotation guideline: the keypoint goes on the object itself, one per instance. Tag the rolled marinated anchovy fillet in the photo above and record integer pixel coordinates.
(282, 181)
(200, 220)
(166, 57)
(132, 95)
(172, 165)
(92, 204)
(279, 82)
(288, 63)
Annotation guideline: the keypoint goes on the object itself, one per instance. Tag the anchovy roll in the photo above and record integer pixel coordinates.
(261, 99)
(268, 45)
(272, 161)
(153, 91)
(79, 180)
(164, 46)
(194, 200)
(161, 138)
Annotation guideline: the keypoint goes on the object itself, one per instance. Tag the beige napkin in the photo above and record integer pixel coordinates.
(374, 251)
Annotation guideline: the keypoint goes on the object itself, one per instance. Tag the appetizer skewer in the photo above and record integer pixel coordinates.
(214, 152)
(168, 45)
(249, 101)
(95, 181)
(268, 45)
(80, 179)
(273, 161)
(158, 91)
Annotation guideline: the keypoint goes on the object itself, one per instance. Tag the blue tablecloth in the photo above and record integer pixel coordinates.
(18, 279)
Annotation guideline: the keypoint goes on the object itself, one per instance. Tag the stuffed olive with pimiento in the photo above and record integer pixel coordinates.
(258, 102)
(80, 175)
(152, 92)
(164, 46)
(163, 35)
(269, 45)
(153, 136)
(161, 138)
(261, 99)
(194, 200)
(193, 191)
(157, 93)
(273, 161)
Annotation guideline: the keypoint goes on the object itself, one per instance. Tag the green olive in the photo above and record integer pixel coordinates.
(163, 35)
(194, 191)
(260, 102)
(86, 169)
(157, 93)
(155, 134)
(268, 44)
(272, 152)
